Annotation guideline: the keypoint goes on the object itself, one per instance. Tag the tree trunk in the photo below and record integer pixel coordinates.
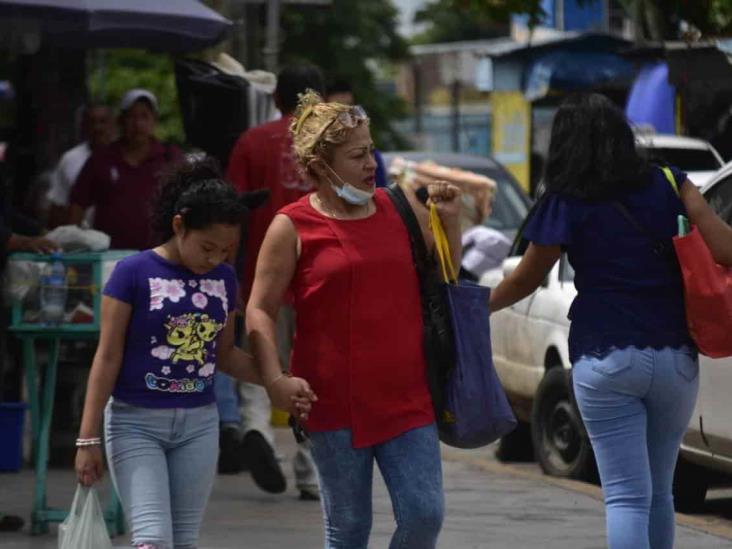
(655, 21)
(635, 8)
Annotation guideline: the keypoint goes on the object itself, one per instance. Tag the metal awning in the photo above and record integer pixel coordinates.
(576, 70)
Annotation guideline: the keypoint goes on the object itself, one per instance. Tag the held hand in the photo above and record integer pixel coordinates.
(42, 245)
(36, 244)
(89, 465)
(292, 394)
(447, 199)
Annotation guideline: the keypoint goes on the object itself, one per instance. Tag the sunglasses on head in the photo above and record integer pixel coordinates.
(348, 119)
(351, 117)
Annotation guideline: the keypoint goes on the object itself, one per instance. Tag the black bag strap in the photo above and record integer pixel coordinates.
(420, 255)
(660, 247)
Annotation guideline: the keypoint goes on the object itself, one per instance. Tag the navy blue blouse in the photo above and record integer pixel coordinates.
(627, 295)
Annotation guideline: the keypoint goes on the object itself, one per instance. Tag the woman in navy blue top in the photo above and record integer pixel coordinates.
(634, 363)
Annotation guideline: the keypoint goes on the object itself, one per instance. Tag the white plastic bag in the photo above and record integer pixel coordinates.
(84, 528)
(73, 238)
(20, 279)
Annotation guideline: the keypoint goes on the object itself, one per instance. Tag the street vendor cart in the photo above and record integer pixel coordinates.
(85, 276)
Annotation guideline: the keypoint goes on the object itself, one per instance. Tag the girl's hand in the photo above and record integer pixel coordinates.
(447, 199)
(89, 465)
(292, 394)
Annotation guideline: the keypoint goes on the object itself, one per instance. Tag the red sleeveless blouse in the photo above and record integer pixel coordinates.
(358, 335)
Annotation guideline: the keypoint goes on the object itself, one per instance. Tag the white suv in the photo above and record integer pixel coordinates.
(694, 156)
(531, 357)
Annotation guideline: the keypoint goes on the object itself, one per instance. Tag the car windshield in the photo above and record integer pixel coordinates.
(688, 160)
(509, 208)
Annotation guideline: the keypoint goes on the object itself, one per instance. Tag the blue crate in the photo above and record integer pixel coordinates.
(12, 415)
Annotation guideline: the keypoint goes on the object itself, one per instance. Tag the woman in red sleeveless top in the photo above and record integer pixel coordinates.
(343, 255)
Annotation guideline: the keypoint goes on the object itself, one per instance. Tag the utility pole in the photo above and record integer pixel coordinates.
(272, 47)
(455, 114)
(238, 12)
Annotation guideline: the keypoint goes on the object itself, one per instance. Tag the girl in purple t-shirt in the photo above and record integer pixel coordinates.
(165, 327)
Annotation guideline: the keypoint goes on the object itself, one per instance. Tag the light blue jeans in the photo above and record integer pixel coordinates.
(636, 405)
(412, 471)
(162, 465)
(227, 400)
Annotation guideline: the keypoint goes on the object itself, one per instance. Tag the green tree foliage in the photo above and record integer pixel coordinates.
(659, 19)
(454, 20)
(113, 72)
(653, 19)
(351, 40)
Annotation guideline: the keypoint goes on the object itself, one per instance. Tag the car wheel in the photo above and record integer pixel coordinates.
(691, 482)
(561, 446)
(516, 446)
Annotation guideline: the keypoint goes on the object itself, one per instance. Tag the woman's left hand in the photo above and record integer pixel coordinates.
(447, 199)
(292, 394)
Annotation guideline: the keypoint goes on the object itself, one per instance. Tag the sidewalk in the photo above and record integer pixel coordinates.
(488, 506)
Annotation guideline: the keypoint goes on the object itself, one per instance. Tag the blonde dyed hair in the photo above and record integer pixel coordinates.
(316, 129)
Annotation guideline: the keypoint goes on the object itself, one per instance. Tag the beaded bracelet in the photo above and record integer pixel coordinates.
(84, 442)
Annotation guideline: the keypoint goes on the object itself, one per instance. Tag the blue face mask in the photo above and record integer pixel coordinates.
(349, 193)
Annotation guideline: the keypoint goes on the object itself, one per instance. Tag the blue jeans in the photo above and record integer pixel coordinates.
(162, 465)
(227, 400)
(412, 471)
(636, 405)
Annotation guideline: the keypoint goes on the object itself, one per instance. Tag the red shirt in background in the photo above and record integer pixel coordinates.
(121, 193)
(263, 159)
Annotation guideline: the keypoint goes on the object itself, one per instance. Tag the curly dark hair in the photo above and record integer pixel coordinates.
(592, 152)
(196, 190)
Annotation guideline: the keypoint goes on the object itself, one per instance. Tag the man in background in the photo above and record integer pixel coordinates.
(120, 180)
(262, 158)
(11, 240)
(97, 130)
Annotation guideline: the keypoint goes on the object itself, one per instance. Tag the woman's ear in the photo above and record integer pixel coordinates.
(317, 168)
(178, 225)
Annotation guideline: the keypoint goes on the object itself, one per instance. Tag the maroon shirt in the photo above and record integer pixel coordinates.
(121, 193)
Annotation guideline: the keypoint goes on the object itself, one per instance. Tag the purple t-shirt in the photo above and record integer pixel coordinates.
(170, 348)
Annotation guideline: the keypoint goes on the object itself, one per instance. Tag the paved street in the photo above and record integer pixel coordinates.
(488, 506)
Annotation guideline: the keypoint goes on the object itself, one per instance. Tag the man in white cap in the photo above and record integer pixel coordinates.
(120, 180)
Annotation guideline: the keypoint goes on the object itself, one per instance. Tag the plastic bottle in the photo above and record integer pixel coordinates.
(53, 290)
(683, 224)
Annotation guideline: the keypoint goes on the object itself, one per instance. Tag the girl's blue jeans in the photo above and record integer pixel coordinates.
(636, 405)
(411, 467)
(162, 463)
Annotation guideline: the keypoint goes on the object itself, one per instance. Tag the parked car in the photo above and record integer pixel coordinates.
(530, 351)
(511, 203)
(696, 157)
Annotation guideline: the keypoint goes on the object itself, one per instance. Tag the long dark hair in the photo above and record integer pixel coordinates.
(195, 190)
(592, 153)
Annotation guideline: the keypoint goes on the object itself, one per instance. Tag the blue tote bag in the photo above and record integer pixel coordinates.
(475, 410)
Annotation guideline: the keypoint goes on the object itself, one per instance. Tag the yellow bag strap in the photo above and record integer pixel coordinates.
(670, 176)
(442, 246)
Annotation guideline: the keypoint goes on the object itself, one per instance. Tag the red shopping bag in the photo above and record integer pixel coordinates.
(708, 295)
